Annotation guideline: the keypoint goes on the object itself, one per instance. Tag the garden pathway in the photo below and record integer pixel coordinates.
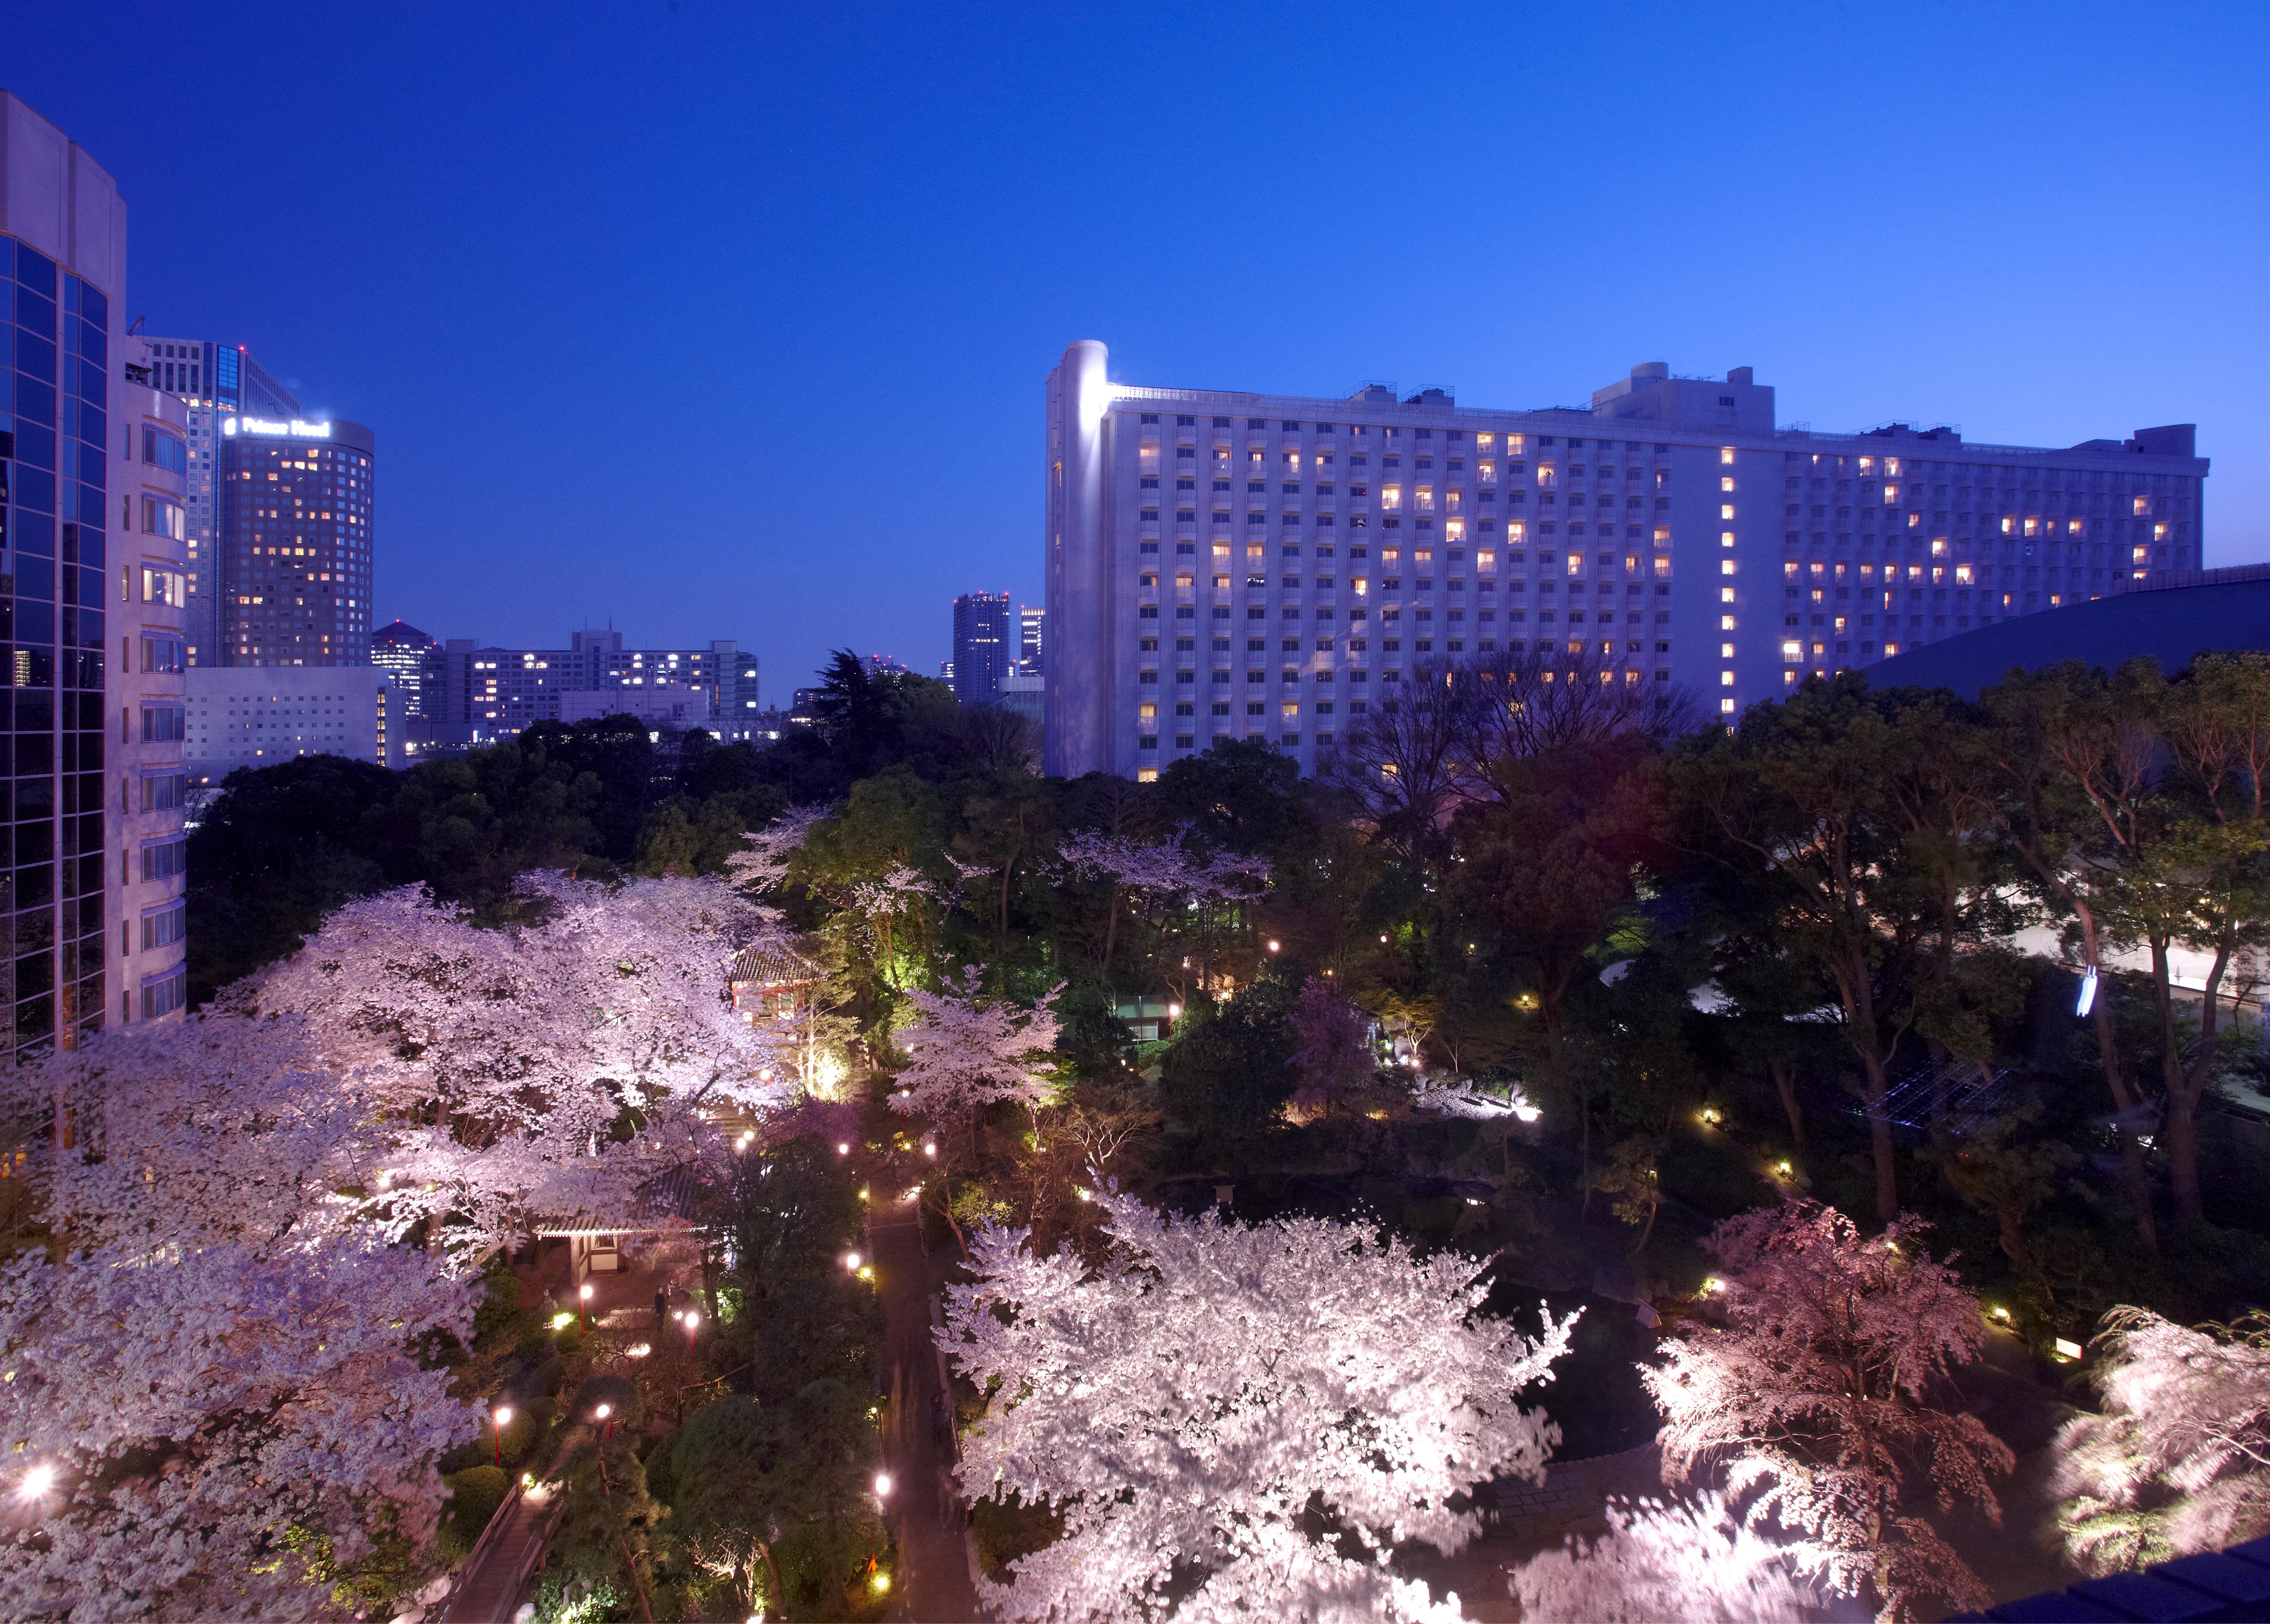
(933, 1582)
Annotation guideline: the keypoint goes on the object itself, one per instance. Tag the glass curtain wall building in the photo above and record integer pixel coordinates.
(62, 255)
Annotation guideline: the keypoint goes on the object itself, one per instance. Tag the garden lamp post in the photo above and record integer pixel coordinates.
(605, 1416)
(498, 1418)
(582, 1302)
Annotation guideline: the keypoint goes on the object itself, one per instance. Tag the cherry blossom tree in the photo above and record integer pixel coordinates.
(217, 1353)
(966, 1053)
(1697, 1562)
(2179, 1460)
(214, 1356)
(1808, 1378)
(1194, 1405)
(550, 1067)
(1335, 1055)
(227, 1428)
(1161, 873)
(765, 864)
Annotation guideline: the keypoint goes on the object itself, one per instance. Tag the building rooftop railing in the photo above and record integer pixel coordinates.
(1337, 409)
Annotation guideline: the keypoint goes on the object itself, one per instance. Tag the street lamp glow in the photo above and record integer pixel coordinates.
(1275, 944)
(603, 1411)
(882, 1483)
(38, 1481)
(585, 1294)
(930, 1147)
(504, 1415)
(851, 1264)
(843, 1150)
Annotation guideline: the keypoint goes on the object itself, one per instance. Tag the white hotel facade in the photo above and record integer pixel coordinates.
(1269, 566)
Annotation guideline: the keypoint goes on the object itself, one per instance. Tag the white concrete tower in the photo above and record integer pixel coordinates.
(1085, 659)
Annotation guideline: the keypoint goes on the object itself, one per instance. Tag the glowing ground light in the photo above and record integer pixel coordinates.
(1713, 1285)
(2065, 1350)
(882, 1583)
(1526, 1113)
(866, 1272)
(1783, 1169)
(2001, 1314)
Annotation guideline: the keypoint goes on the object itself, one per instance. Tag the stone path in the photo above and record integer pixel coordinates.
(933, 1582)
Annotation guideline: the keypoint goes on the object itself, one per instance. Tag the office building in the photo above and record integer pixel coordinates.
(247, 715)
(403, 652)
(213, 381)
(980, 646)
(488, 693)
(94, 488)
(293, 556)
(1029, 640)
(1313, 552)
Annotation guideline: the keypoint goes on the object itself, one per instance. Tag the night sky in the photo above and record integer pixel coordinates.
(729, 321)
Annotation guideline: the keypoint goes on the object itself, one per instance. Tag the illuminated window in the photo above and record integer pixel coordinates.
(1726, 623)
(1725, 511)
(1726, 484)
(1726, 566)
(1792, 651)
(1727, 707)
(1663, 535)
(1725, 454)
(1725, 595)
(1725, 651)
(1725, 679)
(1726, 539)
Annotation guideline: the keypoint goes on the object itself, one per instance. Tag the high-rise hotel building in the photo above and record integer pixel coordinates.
(292, 552)
(1267, 566)
(92, 476)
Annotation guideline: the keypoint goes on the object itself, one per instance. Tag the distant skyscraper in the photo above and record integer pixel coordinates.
(213, 381)
(293, 557)
(1029, 640)
(980, 646)
(402, 650)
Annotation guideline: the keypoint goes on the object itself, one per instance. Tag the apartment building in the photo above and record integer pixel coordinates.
(1266, 567)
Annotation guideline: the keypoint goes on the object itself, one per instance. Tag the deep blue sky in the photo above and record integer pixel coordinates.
(732, 320)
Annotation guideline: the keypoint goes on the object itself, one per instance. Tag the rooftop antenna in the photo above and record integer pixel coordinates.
(137, 325)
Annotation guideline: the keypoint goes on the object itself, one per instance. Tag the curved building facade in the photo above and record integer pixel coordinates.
(293, 562)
